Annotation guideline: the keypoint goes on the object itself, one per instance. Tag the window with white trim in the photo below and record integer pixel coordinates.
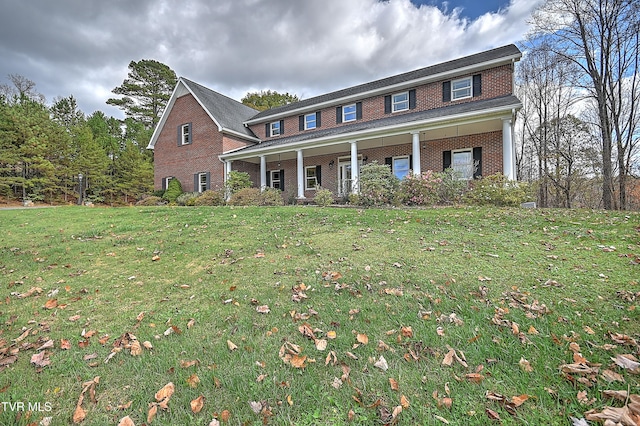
(165, 181)
(202, 182)
(185, 134)
(400, 102)
(462, 163)
(275, 128)
(310, 121)
(461, 89)
(349, 113)
(310, 178)
(276, 179)
(400, 166)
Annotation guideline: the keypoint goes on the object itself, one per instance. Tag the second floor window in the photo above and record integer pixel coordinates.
(349, 113)
(184, 137)
(310, 121)
(400, 102)
(461, 89)
(275, 128)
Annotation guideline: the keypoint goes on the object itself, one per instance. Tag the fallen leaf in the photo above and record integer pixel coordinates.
(224, 416)
(448, 358)
(191, 323)
(147, 345)
(232, 346)
(214, 422)
(588, 330)
(46, 345)
(626, 361)
(136, 348)
(153, 410)
(197, 404)
(79, 414)
(362, 338)
(406, 331)
(126, 421)
(612, 376)
(394, 383)
(525, 366)
(474, 377)
(51, 304)
(381, 363)
(404, 402)
(492, 414)
(40, 359)
(331, 334)
(166, 392)
(193, 381)
(256, 406)
(321, 344)
(263, 309)
(442, 419)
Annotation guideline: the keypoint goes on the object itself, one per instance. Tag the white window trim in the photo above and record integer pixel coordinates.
(314, 121)
(472, 165)
(272, 180)
(307, 178)
(344, 113)
(394, 103)
(273, 127)
(200, 183)
(400, 157)
(167, 180)
(453, 91)
(185, 140)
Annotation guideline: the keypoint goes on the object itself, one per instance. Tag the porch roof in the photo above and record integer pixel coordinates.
(403, 122)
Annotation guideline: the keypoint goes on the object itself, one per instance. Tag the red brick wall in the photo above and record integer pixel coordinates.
(495, 82)
(182, 162)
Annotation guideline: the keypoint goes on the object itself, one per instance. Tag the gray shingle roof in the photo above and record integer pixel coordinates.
(228, 112)
(478, 58)
(505, 102)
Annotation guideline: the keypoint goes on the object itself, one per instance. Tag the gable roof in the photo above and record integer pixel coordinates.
(228, 114)
(504, 54)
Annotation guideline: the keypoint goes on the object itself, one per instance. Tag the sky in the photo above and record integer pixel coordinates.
(83, 47)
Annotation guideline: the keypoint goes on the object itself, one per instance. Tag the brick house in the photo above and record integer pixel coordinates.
(456, 114)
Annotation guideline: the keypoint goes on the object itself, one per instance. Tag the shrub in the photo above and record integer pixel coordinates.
(271, 197)
(210, 198)
(174, 189)
(152, 200)
(237, 181)
(497, 190)
(451, 188)
(420, 190)
(323, 197)
(246, 197)
(187, 198)
(377, 184)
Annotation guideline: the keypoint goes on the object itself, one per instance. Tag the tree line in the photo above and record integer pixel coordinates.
(577, 135)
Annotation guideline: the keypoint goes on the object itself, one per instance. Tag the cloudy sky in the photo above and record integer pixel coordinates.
(306, 47)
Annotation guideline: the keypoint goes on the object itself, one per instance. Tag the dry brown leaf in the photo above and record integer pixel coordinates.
(136, 348)
(232, 346)
(298, 361)
(448, 358)
(627, 361)
(321, 344)
(612, 376)
(51, 304)
(474, 377)
(214, 422)
(263, 309)
(381, 363)
(193, 381)
(191, 323)
(40, 359)
(519, 400)
(394, 383)
(442, 419)
(187, 364)
(525, 365)
(225, 415)
(79, 414)
(362, 338)
(588, 330)
(492, 414)
(126, 421)
(153, 410)
(406, 331)
(197, 404)
(404, 402)
(147, 345)
(166, 392)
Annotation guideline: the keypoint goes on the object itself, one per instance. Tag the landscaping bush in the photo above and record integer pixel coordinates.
(237, 181)
(323, 197)
(420, 190)
(377, 185)
(271, 197)
(187, 198)
(497, 190)
(210, 198)
(152, 200)
(246, 197)
(174, 189)
(451, 188)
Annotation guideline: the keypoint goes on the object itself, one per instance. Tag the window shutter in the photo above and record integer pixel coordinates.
(338, 115)
(208, 180)
(267, 132)
(477, 157)
(301, 123)
(477, 85)
(164, 184)
(446, 91)
(282, 180)
(190, 135)
(412, 99)
(195, 183)
(319, 175)
(318, 123)
(180, 135)
(282, 127)
(387, 104)
(358, 110)
(446, 160)
(389, 162)
(269, 178)
(411, 162)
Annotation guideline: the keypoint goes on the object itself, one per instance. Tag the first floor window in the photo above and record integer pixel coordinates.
(311, 178)
(400, 102)
(401, 166)
(165, 182)
(461, 89)
(203, 182)
(462, 163)
(276, 179)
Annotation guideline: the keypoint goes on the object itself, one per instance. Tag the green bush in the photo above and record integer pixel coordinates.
(187, 198)
(497, 190)
(246, 197)
(323, 197)
(210, 198)
(152, 200)
(377, 185)
(237, 181)
(420, 190)
(451, 188)
(271, 197)
(174, 189)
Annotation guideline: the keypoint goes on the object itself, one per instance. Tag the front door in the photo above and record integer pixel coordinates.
(345, 175)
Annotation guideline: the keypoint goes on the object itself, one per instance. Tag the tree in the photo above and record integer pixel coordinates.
(145, 91)
(267, 99)
(65, 112)
(601, 38)
(22, 88)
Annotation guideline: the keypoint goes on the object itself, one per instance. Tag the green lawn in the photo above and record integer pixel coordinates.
(474, 312)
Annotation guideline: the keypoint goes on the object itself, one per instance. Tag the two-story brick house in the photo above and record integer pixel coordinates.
(456, 114)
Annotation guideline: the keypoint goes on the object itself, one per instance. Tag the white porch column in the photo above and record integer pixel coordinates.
(507, 150)
(263, 172)
(355, 172)
(415, 151)
(300, 164)
(227, 169)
